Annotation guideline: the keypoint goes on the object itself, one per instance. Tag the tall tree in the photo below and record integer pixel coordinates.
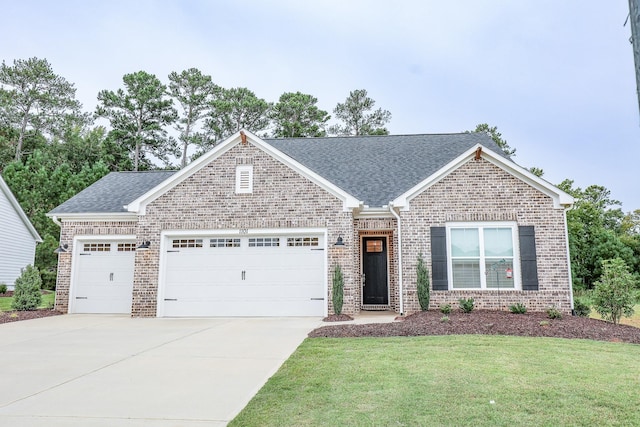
(492, 131)
(358, 116)
(296, 115)
(234, 109)
(139, 115)
(194, 92)
(33, 97)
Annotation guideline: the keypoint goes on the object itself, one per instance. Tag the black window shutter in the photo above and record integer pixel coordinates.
(439, 258)
(528, 261)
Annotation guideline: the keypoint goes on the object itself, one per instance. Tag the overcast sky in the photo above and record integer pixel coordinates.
(555, 76)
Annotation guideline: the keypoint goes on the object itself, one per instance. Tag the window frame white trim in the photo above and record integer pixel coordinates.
(240, 171)
(517, 275)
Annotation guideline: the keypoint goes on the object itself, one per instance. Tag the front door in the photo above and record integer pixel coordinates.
(375, 288)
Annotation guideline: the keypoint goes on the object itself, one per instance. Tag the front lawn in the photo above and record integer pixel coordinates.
(48, 299)
(451, 380)
(633, 320)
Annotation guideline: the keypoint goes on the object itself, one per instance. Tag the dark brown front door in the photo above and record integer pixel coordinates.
(374, 268)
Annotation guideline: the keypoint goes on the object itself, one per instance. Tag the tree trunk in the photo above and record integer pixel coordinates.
(23, 129)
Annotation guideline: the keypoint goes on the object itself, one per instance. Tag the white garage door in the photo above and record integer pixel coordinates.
(244, 276)
(104, 277)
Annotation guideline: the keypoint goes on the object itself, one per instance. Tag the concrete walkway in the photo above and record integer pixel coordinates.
(101, 370)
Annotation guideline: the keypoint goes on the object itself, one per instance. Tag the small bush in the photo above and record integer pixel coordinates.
(423, 284)
(614, 295)
(581, 307)
(544, 323)
(26, 294)
(466, 304)
(444, 319)
(338, 290)
(554, 313)
(445, 309)
(518, 308)
(3, 288)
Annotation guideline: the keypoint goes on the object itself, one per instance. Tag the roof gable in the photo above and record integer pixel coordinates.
(139, 205)
(8, 195)
(559, 197)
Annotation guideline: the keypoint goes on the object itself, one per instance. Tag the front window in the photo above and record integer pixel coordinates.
(482, 256)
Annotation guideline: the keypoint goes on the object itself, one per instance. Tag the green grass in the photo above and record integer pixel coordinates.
(633, 320)
(47, 301)
(451, 380)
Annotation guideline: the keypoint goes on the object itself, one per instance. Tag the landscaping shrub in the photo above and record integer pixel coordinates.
(445, 309)
(466, 304)
(518, 308)
(3, 288)
(554, 313)
(614, 295)
(26, 294)
(581, 307)
(423, 284)
(444, 319)
(338, 290)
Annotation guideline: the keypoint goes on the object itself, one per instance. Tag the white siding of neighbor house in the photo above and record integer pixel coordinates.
(18, 246)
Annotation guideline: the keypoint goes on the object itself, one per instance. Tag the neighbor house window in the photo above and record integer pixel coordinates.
(482, 256)
(244, 179)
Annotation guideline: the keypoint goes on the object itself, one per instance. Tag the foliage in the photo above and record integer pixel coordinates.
(27, 294)
(492, 131)
(194, 92)
(358, 117)
(296, 115)
(444, 319)
(423, 284)
(3, 288)
(338, 290)
(581, 307)
(235, 109)
(138, 116)
(536, 171)
(553, 313)
(466, 304)
(445, 309)
(33, 97)
(614, 295)
(518, 308)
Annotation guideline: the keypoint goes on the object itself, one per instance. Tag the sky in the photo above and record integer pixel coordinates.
(556, 77)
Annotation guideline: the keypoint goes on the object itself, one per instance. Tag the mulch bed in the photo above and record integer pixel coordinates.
(487, 322)
(14, 316)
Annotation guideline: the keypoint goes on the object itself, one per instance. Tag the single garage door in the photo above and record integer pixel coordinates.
(244, 276)
(104, 277)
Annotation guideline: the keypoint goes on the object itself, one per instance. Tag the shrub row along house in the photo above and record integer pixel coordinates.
(256, 226)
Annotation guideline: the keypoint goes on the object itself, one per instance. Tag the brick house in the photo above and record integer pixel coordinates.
(256, 226)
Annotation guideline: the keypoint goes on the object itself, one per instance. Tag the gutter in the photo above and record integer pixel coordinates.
(400, 286)
(566, 238)
(55, 220)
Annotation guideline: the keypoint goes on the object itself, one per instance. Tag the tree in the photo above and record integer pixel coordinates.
(355, 116)
(33, 97)
(422, 273)
(26, 294)
(235, 109)
(296, 115)
(138, 116)
(614, 294)
(337, 294)
(194, 92)
(492, 131)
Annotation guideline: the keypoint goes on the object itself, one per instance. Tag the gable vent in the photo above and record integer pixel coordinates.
(244, 179)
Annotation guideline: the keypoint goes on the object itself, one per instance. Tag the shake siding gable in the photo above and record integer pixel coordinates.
(207, 200)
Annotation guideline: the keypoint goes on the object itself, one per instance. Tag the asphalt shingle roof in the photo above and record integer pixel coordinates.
(374, 169)
(112, 192)
(377, 169)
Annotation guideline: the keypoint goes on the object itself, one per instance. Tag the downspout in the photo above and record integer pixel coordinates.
(566, 238)
(56, 220)
(400, 287)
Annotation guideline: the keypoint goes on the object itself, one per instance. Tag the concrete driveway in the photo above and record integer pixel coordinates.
(102, 370)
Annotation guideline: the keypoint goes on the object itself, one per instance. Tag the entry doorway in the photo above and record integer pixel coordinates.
(375, 272)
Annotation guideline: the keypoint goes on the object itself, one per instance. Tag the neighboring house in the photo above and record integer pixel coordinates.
(20, 238)
(255, 227)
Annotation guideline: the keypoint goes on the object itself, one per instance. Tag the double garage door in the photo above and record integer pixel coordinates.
(273, 275)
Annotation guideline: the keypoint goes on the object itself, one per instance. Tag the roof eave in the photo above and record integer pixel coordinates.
(16, 206)
(93, 216)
